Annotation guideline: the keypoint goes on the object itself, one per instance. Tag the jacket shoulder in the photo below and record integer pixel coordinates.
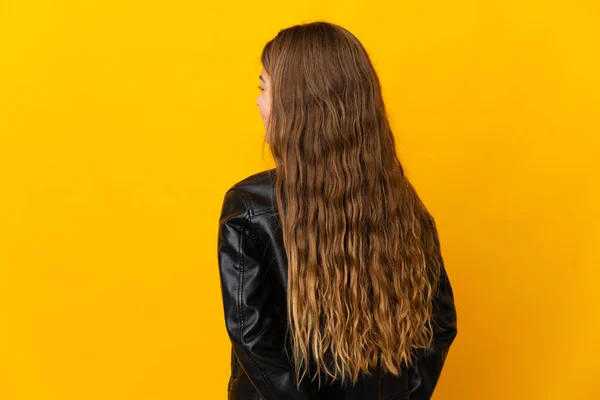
(255, 193)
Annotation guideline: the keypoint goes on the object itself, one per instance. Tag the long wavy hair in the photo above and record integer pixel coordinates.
(361, 246)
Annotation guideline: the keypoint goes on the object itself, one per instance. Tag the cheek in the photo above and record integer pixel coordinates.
(262, 107)
(263, 113)
(266, 109)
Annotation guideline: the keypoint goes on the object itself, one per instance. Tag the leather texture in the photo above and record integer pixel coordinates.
(253, 274)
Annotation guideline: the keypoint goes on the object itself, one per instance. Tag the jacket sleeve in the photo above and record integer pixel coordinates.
(251, 322)
(425, 372)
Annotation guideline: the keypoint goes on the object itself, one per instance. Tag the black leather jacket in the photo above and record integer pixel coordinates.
(253, 273)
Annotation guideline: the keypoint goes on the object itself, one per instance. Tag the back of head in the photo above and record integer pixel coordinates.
(359, 242)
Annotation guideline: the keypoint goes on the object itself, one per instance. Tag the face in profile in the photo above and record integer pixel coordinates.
(263, 100)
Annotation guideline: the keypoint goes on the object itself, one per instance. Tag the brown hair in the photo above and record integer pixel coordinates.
(361, 246)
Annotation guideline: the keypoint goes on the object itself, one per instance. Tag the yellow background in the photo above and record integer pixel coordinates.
(122, 123)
